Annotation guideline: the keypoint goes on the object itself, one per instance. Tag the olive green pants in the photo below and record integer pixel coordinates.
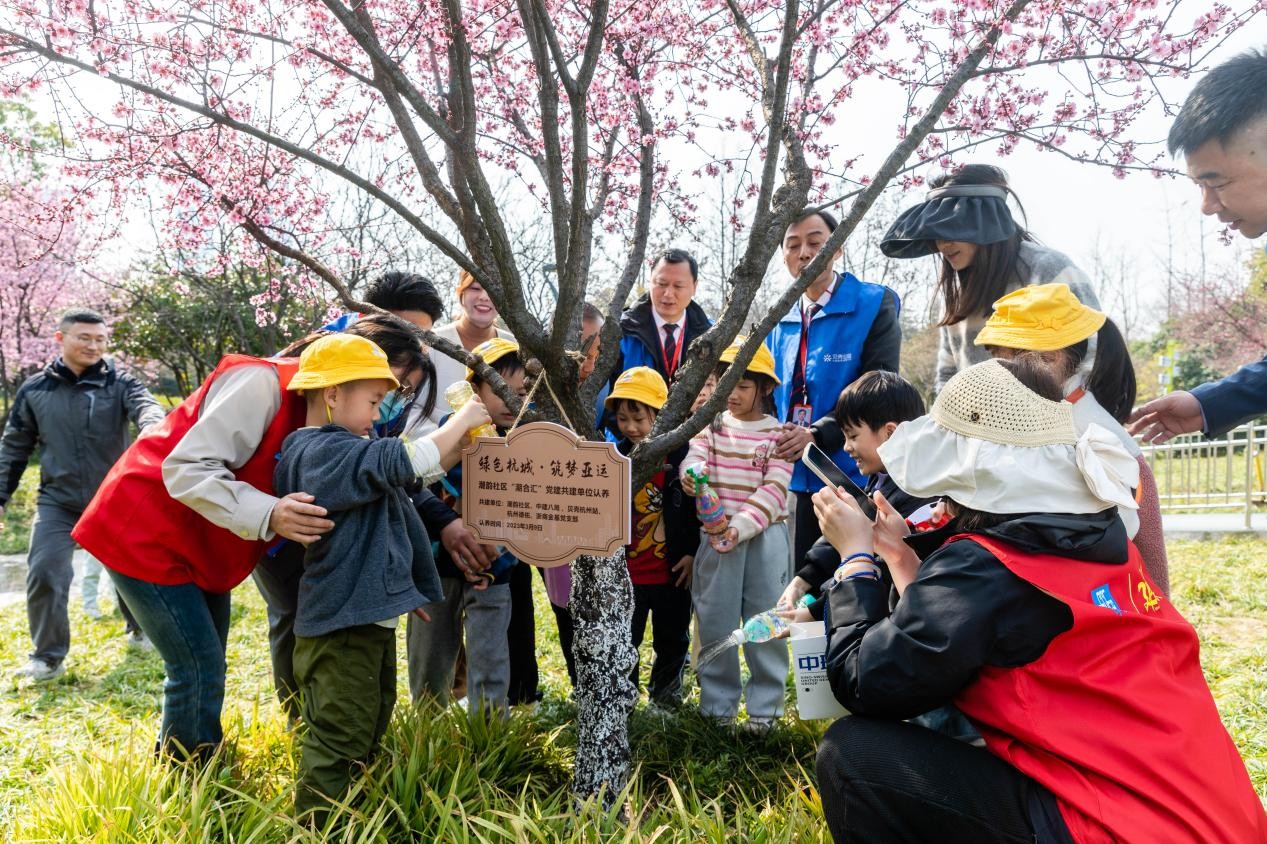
(348, 682)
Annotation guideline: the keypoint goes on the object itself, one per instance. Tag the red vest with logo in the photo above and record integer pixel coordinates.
(1115, 718)
(135, 527)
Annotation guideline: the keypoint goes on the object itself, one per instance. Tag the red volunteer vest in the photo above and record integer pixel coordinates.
(133, 526)
(1115, 718)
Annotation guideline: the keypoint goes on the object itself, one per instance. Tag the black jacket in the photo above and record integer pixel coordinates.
(79, 423)
(681, 519)
(965, 610)
(637, 324)
(822, 560)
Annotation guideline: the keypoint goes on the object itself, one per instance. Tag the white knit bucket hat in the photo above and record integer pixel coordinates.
(992, 444)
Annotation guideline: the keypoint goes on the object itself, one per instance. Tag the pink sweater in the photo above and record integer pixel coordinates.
(751, 484)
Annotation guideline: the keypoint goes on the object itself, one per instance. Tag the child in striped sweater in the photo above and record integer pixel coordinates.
(743, 571)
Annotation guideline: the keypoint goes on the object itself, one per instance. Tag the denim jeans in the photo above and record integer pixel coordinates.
(190, 628)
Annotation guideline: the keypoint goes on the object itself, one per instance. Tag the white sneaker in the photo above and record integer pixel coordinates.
(93, 611)
(140, 641)
(40, 671)
(757, 726)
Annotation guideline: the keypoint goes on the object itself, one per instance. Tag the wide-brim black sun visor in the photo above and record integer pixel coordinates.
(967, 213)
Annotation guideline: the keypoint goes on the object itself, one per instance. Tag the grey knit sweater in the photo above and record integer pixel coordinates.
(1037, 265)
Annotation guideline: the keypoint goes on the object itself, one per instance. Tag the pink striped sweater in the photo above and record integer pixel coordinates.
(750, 482)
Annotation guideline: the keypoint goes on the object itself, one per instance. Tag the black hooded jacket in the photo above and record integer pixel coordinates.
(965, 610)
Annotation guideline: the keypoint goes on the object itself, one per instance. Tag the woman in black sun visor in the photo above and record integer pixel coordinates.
(984, 254)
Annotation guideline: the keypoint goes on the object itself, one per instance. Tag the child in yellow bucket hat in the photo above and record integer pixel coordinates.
(373, 567)
(665, 531)
(744, 570)
(1086, 353)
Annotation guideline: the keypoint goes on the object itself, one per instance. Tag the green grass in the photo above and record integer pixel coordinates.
(19, 512)
(76, 759)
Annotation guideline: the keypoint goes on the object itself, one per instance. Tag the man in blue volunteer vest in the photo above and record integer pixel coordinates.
(840, 328)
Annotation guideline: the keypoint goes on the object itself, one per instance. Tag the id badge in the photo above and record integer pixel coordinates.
(803, 415)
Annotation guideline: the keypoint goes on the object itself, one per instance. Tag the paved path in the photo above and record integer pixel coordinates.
(1212, 525)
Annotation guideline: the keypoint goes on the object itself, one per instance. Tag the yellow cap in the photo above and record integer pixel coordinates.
(1041, 318)
(762, 362)
(641, 384)
(338, 359)
(492, 351)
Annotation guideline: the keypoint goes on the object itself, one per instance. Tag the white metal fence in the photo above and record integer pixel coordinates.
(1196, 474)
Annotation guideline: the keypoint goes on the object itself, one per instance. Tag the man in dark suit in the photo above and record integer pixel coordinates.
(1222, 131)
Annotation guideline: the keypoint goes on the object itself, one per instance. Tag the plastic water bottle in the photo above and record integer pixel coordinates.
(457, 395)
(711, 514)
(762, 627)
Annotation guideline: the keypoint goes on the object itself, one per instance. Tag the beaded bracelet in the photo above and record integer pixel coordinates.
(870, 573)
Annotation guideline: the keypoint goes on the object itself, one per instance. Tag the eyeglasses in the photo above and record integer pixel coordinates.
(89, 339)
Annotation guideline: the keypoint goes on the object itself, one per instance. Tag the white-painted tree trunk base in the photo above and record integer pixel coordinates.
(602, 612)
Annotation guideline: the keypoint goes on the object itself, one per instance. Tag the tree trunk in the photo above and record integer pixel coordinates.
(602, 610)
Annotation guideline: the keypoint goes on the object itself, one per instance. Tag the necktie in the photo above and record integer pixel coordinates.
(670, 349)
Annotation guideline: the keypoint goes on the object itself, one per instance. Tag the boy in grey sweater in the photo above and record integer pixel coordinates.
(373, 567)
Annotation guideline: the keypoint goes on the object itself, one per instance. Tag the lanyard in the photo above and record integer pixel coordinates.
(802, 354)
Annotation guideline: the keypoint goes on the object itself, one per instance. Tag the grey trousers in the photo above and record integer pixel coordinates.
(432, 646)
(727, 589)
(49, 573)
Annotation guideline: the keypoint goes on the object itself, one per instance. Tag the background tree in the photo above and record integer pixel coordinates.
(247, 113)
(41, 270)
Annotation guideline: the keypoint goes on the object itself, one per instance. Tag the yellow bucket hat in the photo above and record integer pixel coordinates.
(492, 351)
(762, 362)
(338, 359)
(641, 384)
(1042, 318)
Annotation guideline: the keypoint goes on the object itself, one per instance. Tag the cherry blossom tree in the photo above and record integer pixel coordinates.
(40, 272)
(608, 116)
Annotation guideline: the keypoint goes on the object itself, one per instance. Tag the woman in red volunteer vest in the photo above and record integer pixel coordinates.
(1034, 615)
(186, 512)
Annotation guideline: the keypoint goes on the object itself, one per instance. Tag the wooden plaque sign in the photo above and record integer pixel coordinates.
(546, 494)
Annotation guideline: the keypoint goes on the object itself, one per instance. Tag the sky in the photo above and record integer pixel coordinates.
(1083, 209)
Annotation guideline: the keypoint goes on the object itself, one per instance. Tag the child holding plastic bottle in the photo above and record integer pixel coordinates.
(475, 608)
(741, 571)
(373, 567)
